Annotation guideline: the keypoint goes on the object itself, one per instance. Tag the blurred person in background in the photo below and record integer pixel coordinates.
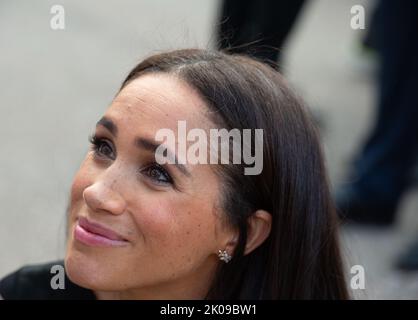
(257, 28)
(383, 168)
(260, 29)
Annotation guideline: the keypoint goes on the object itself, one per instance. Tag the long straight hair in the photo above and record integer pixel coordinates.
(301, 258)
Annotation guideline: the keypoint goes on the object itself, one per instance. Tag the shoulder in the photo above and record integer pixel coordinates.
(34, 282)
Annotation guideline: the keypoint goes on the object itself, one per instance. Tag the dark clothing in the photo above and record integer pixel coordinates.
(383, 167)
(257, 28)
(34, 283)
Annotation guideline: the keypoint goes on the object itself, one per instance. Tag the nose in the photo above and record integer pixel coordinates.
(102, 196)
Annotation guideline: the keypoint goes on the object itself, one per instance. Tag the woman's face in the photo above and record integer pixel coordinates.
(164, 222)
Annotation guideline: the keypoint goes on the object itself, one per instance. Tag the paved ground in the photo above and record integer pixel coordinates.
(55, 84)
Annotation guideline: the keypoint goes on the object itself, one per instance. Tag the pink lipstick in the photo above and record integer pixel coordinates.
(96, 235)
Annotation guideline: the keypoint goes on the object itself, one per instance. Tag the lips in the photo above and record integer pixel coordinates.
(93, 234)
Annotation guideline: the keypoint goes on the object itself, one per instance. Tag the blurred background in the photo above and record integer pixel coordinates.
(55, 84)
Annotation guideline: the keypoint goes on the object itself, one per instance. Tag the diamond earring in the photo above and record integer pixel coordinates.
(224, 256)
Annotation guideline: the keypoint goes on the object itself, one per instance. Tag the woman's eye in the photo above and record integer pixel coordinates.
(158, 174)
(101, 147)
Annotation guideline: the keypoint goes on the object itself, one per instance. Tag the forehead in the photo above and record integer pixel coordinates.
(158, 101)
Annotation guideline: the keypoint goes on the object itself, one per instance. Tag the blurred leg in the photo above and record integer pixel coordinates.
(389, 154)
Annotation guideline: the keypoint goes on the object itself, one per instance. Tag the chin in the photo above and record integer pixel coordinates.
(81, 271)
(86, 270)
(94, 269)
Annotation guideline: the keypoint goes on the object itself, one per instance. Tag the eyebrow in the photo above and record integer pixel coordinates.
(109, 125)
(142, 143)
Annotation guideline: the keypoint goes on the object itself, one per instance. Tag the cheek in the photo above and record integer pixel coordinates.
(177, 227)
(81, 181)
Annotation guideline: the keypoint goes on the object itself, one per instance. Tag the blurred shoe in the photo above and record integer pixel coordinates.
(414, 176)
(353, 208)
(408, 261)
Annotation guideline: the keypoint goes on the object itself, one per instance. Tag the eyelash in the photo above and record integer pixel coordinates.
(97, 143)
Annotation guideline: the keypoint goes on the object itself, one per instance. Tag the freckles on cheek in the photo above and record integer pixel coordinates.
(156, 221)
(81, 181)
(75, 198)
(78, 186)
(169, 224)
(159, 223)
(192, 228)
(84, 176)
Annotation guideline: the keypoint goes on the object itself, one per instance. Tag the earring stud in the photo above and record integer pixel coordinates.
(224, 256)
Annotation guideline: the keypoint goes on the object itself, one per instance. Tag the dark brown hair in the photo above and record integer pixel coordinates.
(301, 257)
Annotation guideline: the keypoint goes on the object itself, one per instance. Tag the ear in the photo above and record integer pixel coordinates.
(259, 227)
